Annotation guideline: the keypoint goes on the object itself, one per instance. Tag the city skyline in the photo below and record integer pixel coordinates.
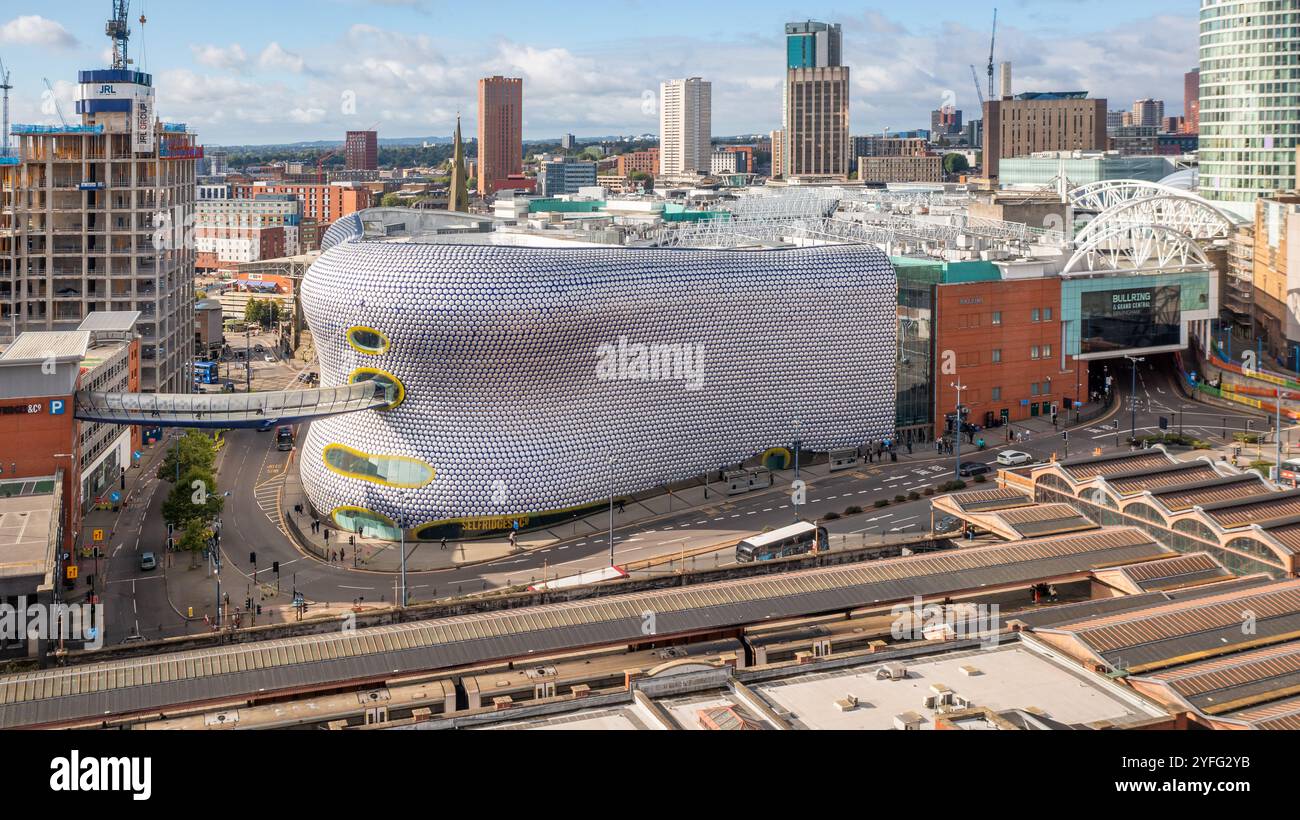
(236, 85)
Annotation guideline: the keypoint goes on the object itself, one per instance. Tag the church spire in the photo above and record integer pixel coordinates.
(458, 198)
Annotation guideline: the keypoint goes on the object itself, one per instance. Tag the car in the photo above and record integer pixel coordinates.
(148, 562)
(270, 359)
(259, 349)
(1014, 458)
(971, 469)
(949, 523)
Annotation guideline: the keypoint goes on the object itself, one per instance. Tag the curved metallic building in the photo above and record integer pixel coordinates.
(522, 372)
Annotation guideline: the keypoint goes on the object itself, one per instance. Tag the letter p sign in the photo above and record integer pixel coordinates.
(57, 407)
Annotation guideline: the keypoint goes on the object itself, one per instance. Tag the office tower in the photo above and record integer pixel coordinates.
(1192, 101)
(1042, 121)
(500, 132)
(817, 122)
(93, 218)
(816, 102)
(1149, 113)
(565, 176)
(568, 142)
(362, 151)
(945, 122)
(1248, 118)
(685, 126)
(778, 153)
(812, 45)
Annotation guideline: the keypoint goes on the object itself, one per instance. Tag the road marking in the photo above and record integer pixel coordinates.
(364, 589)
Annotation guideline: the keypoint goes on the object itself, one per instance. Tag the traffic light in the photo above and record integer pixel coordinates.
(275, 567)
(1065, 436)
(248, 603)
(1164, 423)
(252, 558)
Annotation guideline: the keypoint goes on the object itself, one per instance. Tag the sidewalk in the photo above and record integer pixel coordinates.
(385, 557)
(113, 522)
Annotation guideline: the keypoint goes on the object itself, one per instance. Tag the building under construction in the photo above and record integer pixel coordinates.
(93, 213)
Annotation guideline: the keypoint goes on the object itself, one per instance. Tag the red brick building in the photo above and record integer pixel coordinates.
(647, 162)
(361, 149)
(500, 132)
(1002, 341)
(322, 204)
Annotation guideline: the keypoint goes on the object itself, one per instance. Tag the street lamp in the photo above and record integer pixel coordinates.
(1133, 408)
(611, 509)
(401, 525)
(797, 444)
(958, 386)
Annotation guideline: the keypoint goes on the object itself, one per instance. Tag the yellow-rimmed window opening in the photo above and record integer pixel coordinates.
(368, 340)
(371, 374)
(389, 471)
(366, 523)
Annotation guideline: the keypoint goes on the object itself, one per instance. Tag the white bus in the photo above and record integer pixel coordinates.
(796, 539)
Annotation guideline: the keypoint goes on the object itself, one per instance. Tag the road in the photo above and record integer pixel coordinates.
(253, 471)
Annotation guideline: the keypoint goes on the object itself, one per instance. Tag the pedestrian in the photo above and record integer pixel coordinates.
(343, 554)
(444, 542)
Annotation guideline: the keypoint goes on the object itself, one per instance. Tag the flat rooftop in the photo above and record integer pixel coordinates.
(1011, 676)
(27, 513)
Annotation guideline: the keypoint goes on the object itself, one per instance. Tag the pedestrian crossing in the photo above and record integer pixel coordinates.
(267, 496)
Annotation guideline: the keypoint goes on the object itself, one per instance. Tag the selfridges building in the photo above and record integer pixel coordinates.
(532, 382)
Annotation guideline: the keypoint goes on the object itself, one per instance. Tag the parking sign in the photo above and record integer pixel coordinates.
(57, 406)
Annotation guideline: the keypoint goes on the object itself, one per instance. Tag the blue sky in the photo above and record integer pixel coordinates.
(256, 72)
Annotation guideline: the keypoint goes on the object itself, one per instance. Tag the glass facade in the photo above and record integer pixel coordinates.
(1250, 99)
(366, 523)
(390, 471)
(1194, 297)
(916, 284)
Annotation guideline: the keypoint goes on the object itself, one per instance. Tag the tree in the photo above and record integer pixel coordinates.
(195, 451)
(393, 200)
(253, 311)
(195, 498)
(954, 164)
(195, 537)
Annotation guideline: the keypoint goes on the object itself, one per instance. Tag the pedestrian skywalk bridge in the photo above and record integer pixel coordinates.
(232, 410)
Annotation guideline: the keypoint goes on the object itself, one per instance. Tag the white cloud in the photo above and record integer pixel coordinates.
(35, 30)
(413, 85)
(275, 58)
(231, 58)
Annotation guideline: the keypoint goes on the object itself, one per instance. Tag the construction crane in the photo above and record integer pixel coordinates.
(975, 75)
(992, 44)
(118, 30)
(54, 98)
(6, 87)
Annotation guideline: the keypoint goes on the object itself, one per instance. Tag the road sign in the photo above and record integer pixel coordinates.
(72, 572)
(98, 536)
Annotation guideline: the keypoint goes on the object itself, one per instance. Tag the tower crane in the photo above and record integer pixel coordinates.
(6, 87)
(978, 90)
(992, 44)
(54, 98)
(118, 30)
